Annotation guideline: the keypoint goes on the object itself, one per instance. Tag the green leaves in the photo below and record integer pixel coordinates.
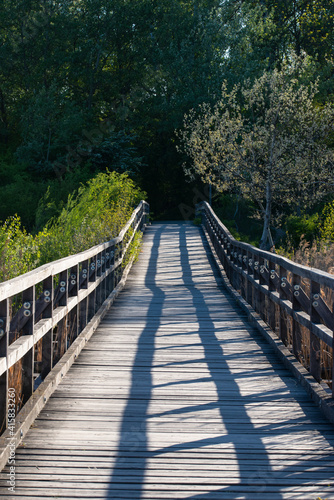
(266, 139)
(95, 214)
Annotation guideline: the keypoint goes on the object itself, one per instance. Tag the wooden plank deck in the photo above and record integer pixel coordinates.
(176, 397)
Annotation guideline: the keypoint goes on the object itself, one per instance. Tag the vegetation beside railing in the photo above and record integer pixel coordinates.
(43, 311)
(96, 213)
(296, 301)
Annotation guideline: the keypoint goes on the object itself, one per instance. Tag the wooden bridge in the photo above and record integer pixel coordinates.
(183, 391)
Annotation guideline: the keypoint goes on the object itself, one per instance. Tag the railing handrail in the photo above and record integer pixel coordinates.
(300, 269)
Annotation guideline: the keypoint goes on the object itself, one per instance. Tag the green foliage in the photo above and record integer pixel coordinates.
(239, 215)
(116, 152)
(327, 229)
(95, 214)
(56, 193)
(267, 140)
(302, 227)
(49, 123)
(19, 191)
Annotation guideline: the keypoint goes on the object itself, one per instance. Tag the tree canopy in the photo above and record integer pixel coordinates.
(267, 140)
(78, 75)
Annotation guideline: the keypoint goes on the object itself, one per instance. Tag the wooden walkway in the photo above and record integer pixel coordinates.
(176, 397)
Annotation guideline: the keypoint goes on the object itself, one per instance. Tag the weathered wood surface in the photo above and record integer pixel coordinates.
(176, 396)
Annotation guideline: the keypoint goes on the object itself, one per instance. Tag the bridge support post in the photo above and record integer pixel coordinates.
(271, 303)
(4, 332)
(296, 333)
(27, 386)
(283, 320)
(83, 284)
(315, 361)
(47, 345)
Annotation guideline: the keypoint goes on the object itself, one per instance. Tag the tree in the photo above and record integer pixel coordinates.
(268, 140)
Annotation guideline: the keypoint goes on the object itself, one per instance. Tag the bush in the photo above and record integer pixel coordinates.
(304, 227)
(95, 214)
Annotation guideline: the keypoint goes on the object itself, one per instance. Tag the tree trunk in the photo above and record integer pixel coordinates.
(266, 222)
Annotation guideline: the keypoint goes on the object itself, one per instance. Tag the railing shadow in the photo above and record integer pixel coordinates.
(133, 440)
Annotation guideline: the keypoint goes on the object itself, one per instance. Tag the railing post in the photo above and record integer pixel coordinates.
(83, 284)
(296, 333)
(60, 341)
(73, 287)
(104, 293)
(271, 303)
(257, 291)
(47, 344)
(249, 270)
(262, 282)
(28, 297)
(99, 294)
(315, 366)
(4, 337)
(283, 326)
(92, 295)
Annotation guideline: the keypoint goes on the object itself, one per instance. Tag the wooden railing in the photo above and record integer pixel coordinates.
(296, 301)
(44, 311)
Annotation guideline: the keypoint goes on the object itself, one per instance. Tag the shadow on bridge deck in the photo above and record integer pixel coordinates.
(275, 459)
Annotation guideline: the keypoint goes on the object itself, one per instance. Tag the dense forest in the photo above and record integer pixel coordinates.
(88, 86)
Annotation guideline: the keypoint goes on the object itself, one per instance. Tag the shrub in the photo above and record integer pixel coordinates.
(95, 214)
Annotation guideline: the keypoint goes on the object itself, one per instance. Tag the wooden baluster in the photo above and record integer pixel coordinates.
(243, 270)
(60, 342)
(271, 303)
(73, 317)
(283, 327)
(224, 252)
(257, 292)
(4, 338)
(103, 271)
(28, 298)
(296, 333)
(47, 341)
(92, 295)
(98, 275)
(112, 282)
(83, 284)
(262, 281)
(315, 366)
(249, 270)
